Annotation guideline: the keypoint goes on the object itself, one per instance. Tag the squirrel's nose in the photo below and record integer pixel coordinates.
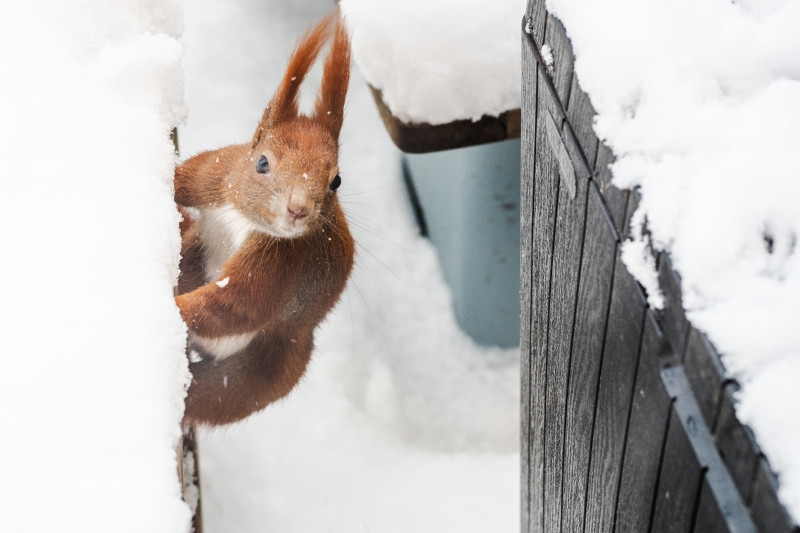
(297, 211)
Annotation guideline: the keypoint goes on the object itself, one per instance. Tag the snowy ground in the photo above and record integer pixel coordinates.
(700, 101)
(402, 423)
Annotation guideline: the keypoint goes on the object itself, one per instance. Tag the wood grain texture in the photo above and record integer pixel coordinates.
(581, 165)
(594, 292)
(567, 250)
(678, 484)
(528, 140)
(672, 319)
(767, 512)
(604, 448)
(709, 517)
(545, 188)
(580, 114)
(705, 373)
(561, 70)
(617, 373)
(646, 431)
(717, 475)
(616, 199)
(537, 13)
(736, 444)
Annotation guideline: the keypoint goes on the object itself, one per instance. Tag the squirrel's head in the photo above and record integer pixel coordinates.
(289, 182)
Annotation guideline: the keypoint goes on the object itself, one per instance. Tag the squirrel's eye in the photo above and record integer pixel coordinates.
(262, 167)
(336, 182)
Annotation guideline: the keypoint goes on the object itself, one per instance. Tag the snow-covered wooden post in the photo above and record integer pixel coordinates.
(448, 97)
(627, 418)
(189, 475)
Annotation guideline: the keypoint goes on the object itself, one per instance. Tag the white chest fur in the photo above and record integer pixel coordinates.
(223, 230)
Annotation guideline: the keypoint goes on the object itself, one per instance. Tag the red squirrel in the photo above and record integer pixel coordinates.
(266, 251)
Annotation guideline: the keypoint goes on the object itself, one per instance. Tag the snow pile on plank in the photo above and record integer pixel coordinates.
(93, 368)
(700, 101)
(402, 423)
(439, 61)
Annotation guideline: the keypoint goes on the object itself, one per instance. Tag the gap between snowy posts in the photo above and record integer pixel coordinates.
(94, 371)
(402, 423)
(700, 102)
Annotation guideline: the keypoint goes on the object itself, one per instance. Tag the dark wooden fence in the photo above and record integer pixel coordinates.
(627, 417)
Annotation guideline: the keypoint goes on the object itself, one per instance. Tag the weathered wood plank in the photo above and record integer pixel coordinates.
(594, 293)
(717, 475)
(709, 516)
(545, 188)
(580, 114)
(567, 249)
(647, 425)
(189, 476)
(678, 483)
(736, 444)
(705, 374)
(616, 200)
(528, 139)
(561, 69)
(423, 137)
(644, 416)
(537, 14)
(767, 512)
(617, 373)
(671, 318)
(582, 167)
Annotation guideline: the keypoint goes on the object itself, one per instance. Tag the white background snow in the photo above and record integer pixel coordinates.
(700, 101)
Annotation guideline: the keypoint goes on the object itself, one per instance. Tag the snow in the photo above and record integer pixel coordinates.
(191, 492)
(223, 282)
(636, 254)
(700, 101)
(93, 368)
(402, 423)
(439, 61)
(547, 55)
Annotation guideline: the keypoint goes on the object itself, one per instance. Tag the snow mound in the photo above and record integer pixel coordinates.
(94, 371)
(437, 62)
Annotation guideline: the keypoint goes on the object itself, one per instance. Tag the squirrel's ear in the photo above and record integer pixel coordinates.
(329, 108)
(283, 105)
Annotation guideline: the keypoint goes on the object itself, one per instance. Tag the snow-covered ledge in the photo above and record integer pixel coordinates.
(700, 102)
(94, 369)
(443, 74)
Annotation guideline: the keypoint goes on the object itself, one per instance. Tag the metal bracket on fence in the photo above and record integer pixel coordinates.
(719, 479)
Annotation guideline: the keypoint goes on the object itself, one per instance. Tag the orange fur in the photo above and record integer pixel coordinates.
(293, 264)
(283, 105)
(332, 94)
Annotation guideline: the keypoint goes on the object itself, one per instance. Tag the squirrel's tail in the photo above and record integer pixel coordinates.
(227, 390)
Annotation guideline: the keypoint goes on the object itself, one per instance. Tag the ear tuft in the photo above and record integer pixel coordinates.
(329, 108)
(283, 105)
